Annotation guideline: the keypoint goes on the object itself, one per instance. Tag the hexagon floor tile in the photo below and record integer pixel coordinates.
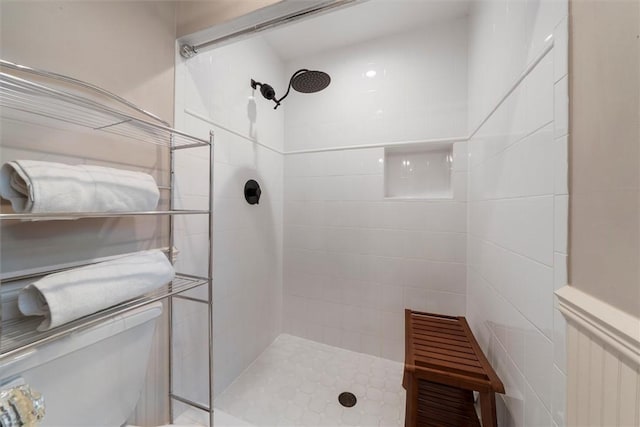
(296, 382)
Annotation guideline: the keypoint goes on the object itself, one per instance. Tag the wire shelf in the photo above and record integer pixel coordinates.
(44, 98)
(52, 216)
(20, 335)
(18, 95)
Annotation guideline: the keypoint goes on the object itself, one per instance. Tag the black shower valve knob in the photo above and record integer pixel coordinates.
(252, 192)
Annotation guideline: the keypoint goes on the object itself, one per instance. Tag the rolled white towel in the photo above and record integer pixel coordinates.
(69, 295)
(37, 187)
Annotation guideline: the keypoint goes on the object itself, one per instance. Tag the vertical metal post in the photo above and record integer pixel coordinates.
(172, 154)
(172, 397)
(210, 276)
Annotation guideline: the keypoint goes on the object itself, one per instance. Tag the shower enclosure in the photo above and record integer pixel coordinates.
(430, 174)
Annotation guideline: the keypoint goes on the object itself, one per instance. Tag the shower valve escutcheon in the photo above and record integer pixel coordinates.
(252, 192)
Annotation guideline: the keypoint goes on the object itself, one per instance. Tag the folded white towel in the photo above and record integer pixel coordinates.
(34, 186)
(69, 295)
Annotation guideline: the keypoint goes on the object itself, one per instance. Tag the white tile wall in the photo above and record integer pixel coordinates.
(338, 261)
(505, 36)
(418, 91)
(354, 261)
(213, 93)
(517, 202)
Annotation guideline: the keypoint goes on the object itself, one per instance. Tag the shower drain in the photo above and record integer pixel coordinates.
(347, 399)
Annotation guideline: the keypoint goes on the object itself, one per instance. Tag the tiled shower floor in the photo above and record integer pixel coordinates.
(296, 382)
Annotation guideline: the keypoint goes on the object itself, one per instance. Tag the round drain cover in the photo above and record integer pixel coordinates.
(347, 399)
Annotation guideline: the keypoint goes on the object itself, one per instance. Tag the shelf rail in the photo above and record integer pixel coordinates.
(86, 85)
(50, 216)
(20, 335)
(21, 96)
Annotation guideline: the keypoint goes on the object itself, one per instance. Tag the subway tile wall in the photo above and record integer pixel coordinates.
(354, 260)
(517, 201)
(407, 86)
(214, 93)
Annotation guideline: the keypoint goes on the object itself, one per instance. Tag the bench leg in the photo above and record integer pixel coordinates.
(488, 409)
(411, 411)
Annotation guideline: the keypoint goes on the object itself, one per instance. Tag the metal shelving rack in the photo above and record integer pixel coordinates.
(66, 101)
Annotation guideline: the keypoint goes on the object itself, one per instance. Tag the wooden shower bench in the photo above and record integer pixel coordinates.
(443, 366)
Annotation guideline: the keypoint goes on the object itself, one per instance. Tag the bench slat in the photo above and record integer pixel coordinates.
(443, 363)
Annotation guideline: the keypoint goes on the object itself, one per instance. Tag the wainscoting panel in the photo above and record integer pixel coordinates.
(603, 362)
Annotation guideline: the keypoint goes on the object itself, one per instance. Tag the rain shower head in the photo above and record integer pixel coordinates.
(304, 81)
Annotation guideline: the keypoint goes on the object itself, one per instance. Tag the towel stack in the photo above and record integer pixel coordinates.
(44, 187)
(69, 295)
(37, 187)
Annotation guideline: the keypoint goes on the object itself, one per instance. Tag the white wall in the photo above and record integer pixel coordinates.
(195, 16)
(213, 92)
(419, 91)
(605, 153)
(517, 235)
(354, 260)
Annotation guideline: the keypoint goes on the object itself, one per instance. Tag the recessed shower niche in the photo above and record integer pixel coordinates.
(418, 171)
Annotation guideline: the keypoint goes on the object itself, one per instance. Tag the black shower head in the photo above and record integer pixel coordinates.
(307, 81)
(304, 81)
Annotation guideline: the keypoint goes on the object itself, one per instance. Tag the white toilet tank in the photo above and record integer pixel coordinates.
(93, 377)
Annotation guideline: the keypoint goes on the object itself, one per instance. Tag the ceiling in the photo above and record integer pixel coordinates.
(355, 24)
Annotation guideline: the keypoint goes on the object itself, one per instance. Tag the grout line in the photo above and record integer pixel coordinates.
(419, 142)
(513, 143)
(451, 140)
(479, 273)
(369, 229)
(369, 307)
(365, 228)
(323, 251)
(531, 196)
(524, 377)
(555, 82)
(492, 286)
(532, 65)
(505, 352)
(241, 135)
(360, 254)
(326, 149)
(504, 248)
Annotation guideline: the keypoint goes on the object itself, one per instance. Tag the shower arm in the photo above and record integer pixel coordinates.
(255, 85)
(277, 101)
